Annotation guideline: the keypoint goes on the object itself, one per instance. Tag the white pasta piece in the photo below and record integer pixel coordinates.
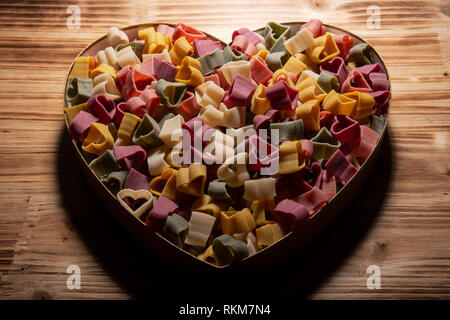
(234, 170)
(212, 116)
(233, 117)
(126, 57)
(251, 244)
(300, 42)
(200, 227)
(259, 189)
(209, 93)
(311, 74)
(164, 55)
(116, 37)
(104, 84)
(231, 69)
(171, 133)
(156, 162)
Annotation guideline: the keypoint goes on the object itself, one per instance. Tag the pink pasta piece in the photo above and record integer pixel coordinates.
(336, 67)
(80, 125)
(202, 47)
(102, 107)
(340, 167)
(130, 156)
(214, 78)
(326, 119)
(308, 147)
(261, 122)
(223, 82)
(274, 115)
(136, 181)
(190, 33)
(379, 82)
(252, 37)
(134, 83)
(261, 153)
(120, 112)
(259, 70)
(165, 30)
(312, 200)
(282, 96)
(163, 69)
(240, 92)
(315, 27)
(381, 99)
(291, 214)
(347, 131)
(369, 140)
(328, 184)
(147, 67)
(344, 43)
(355, 82)
(157, 217)
(242, 45)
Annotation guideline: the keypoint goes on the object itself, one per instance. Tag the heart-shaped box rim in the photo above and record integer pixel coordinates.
(310, 222)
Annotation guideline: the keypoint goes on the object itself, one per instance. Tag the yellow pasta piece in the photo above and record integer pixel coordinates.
(207, 255)
(237, 221)
(127, 127)
(261, 53)
(192, 180)
(170, 189)
(209, 93)
(208, 205)
(154, 42)
(309, 112)
(181, 48)
(292, 157)
(299, 42)
(268, 235)
(71, 112)
(364, 105)
(158, 184)
(98, 140)
(104, 84)
(82, 67)
(339, 104)
(308, 63)
(284, 75)
(309, 89)
(189, 72)
(108, 56)
(156, 160)
(259, 189)
(171, 133)
(294, 65)
(260, 103)
(324, 49)
(259, 208)
(231, 69)
(104, 68)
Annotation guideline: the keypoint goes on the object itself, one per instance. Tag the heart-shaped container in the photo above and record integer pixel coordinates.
(265, 258)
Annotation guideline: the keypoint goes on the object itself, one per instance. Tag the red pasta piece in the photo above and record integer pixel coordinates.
(102, 107)
(291, 214)
(282, 96)
(260, 72)
(120, 112)
(340, 167)
(165, 30)
(157, 217)
(134, 83)
(80, 125)
(261, 122)
(136, 181)
(202, 47)
(261, 153)
(163, 69)
(344, 43)
(355, 82)
(223, 82)
(252, 37)
(273, 114)
(328, 184)
(369, 140)
(326, 119)
(347, 131)
(214, 78)
(379, 82)
(130, 156)
(240, 92)
(312, 200)
(190, 33)
(315, 27)
(188, 107)
(381, 99)
(147, 102)
(336, 67)
(308, 147)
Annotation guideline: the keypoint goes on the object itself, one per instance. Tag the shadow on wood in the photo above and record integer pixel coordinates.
(142, 274)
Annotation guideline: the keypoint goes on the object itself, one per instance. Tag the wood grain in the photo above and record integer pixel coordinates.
(49, 220)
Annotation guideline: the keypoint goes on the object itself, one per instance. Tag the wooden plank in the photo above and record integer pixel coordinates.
(49, 220)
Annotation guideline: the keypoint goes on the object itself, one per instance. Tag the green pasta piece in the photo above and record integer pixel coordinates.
(105, 164)
(171, 93)
(147, 133)
(229, 55)
(377, 123)
(328, 82)
(218, 190)
(361, 54)
(211, 61)
(176, 229)
(79, 91)
(289, 131)
(274, 31)
(228, 250)
(114, 181)
(276, 60)
(278, 45)
(324, 144)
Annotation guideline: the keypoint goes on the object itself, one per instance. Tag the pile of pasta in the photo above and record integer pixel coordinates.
(316, 103)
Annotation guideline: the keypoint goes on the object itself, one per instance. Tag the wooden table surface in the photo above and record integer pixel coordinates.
(49, 219)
